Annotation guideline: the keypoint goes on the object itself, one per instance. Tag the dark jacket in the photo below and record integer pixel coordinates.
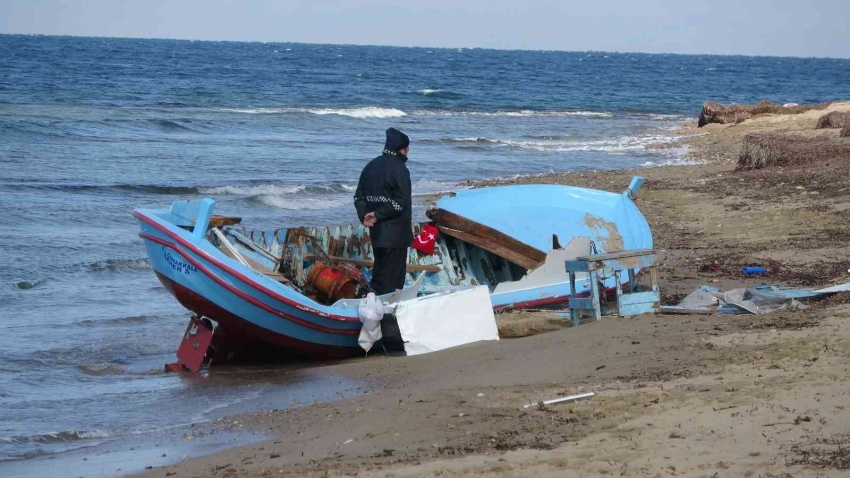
(384, 188)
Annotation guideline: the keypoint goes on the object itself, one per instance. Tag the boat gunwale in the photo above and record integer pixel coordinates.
(248, 281)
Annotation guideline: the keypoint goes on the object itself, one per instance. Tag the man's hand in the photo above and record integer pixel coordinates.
(369, 220)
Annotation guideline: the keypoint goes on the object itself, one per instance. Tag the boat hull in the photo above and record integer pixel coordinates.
(236, 336)
(252, 310)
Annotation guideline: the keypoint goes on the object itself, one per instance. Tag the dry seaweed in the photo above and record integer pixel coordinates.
(845, 132)
(833, 452)
(732, 114)
(762, 150)
(834, 119)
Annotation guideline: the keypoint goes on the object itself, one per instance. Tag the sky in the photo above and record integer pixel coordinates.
(745, 27)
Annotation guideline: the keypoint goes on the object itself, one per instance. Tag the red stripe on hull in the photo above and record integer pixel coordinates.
(247, 339)
(195, 249)
(247, 298)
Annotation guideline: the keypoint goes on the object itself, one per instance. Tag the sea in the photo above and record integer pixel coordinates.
(92, 128)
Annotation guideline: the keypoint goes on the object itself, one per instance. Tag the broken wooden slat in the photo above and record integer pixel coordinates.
(226, 243)
(489, 245)
(526, 256)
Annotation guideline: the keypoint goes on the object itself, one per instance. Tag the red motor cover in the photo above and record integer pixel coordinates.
(194, 346)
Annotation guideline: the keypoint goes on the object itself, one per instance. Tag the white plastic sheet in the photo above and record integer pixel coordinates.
(371, 311)
(444, 320)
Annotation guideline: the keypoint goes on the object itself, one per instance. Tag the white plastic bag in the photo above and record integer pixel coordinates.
(371, 311)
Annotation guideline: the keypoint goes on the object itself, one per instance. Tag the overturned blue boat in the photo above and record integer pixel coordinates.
(290, 292)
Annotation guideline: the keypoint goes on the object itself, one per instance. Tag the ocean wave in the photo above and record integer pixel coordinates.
(277, 189)
(104, 129)
(119, 352)
(108, 188)
(360, 113)
(298, 203)
(517, 114)
(133, 319)
(173, 126)
(666, 117)
(429, 91)
(57, 437)
(256, 190)
(381, 112)
(556, 145)
(426, 186)
(120, 265)
(102, 369)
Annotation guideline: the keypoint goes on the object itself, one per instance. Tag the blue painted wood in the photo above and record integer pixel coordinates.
(635, 185)
(573, 310)
(532, 213)
(594, 294)
(579, 303)
(205, 211)
(578, 266)
(636, 298)
(628, 302)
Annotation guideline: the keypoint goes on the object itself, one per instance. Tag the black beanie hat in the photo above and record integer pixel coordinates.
(396, 140)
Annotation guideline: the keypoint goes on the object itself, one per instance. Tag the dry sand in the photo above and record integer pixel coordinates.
(676, 395)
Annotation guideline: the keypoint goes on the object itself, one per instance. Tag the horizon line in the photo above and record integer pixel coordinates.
(418, 46)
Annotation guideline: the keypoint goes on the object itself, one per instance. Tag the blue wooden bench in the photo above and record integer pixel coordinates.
(630, 302)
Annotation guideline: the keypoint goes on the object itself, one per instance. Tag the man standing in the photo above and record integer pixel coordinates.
(383, 205)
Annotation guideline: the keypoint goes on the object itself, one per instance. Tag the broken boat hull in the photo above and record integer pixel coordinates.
(255, 312)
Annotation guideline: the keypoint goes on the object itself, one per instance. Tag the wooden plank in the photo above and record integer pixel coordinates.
(577, 266)
(221, 221)
(617, 255)
(368, 263)
(488, 245)
(623, 263)
(581, 304)
(638, 298)
(456, 222)
(226, 243)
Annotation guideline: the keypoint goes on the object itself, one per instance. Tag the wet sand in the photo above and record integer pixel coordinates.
(710, 395)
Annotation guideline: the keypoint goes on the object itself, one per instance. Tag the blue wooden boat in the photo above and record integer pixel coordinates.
(250, 283)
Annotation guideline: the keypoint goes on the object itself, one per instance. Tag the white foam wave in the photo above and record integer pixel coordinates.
(430, 187)
(361, 113)
(662, 117)
(260, 189)
(379, 112)
(607, 145)
(428, 91)
(298, 203)
(367, 112)
(518, 114)
(680, 159)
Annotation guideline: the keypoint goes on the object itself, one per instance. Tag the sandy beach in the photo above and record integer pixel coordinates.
(701, 395)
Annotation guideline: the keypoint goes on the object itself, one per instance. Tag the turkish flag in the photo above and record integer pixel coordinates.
(426, 240)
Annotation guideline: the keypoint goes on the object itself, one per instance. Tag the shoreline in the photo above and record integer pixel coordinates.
(675, 394)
